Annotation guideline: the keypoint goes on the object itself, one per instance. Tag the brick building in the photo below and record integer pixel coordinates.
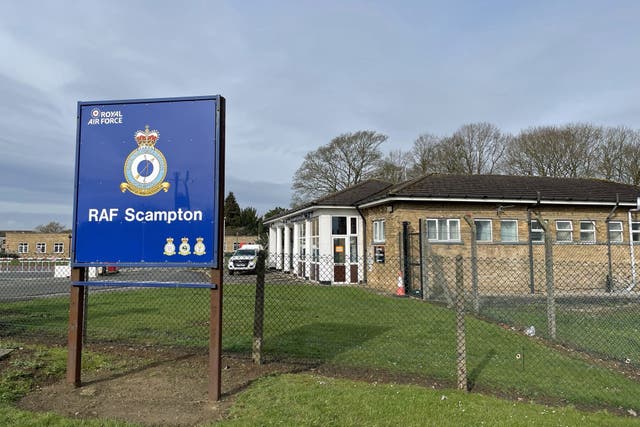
(392, 228)
(32, 244)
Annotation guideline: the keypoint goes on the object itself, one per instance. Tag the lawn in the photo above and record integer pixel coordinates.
(342, 326)
(606, 330)
(303, 399)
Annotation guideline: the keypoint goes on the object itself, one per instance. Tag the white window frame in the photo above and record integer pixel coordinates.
(501, 235)
(476, 221)
(23, 248)
(451, 223)
(635, 232)
(610, 230)
(41, 248)
(536, 228)
(592, 231)
(564, 230)
(58, 248)
(378, 231)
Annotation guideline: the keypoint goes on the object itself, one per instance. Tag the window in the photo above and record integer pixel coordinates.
(508, 230)
(443, 230)
(378, 231)
(353, 229)
(23, 248)
(564, 231)
(41, 248)
(315, 240)
(635, 231)
(483, 230)
(537, 233)
(302, 241)
(615, 232)
(353, 249)
(58, 248)
(338, 225)
(236, 246)
(588, 231)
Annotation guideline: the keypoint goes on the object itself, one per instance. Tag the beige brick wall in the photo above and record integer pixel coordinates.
(504, 267)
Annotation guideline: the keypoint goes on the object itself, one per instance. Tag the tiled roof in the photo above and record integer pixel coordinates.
(350, 196)
(511, 187)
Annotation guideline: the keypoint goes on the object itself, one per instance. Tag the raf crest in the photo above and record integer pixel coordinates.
(145, 167)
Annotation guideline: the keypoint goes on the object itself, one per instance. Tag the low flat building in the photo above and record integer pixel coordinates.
(405, 230)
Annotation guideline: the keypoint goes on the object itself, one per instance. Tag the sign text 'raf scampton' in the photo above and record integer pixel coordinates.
(130, 215)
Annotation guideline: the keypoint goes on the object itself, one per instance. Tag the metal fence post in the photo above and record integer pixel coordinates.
(424, 260)
(474, 263)
(258, 315)
(548, 263)
(461, 351)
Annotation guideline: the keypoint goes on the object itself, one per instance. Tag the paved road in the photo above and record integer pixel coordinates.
(28, 285)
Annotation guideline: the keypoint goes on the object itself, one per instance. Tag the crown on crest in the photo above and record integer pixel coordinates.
(146, 137)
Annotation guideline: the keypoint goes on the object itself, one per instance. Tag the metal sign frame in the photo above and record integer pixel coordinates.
(118, 218)
(79, 273)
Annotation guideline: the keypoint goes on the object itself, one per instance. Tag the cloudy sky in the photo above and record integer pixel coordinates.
(296, 74)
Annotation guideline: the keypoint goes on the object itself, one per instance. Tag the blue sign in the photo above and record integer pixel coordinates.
(148, 182)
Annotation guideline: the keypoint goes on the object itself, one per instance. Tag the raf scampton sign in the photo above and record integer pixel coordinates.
(148, 182)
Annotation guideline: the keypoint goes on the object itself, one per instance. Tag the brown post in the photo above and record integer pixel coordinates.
(215, 336)
(76, 319)
(461, 347)
(258, 315)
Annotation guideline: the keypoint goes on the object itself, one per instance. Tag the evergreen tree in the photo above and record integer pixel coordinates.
(232, 211)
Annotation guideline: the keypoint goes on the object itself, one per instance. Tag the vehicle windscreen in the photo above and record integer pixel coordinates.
(245, 252)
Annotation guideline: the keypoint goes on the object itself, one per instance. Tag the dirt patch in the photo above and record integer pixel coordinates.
(169, 391)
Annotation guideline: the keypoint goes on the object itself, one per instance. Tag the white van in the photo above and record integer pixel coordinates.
(244, 259)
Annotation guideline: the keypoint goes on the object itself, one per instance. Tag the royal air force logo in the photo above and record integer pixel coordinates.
(145, 167)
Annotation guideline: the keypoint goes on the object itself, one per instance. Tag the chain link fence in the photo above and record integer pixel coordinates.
(560, 329)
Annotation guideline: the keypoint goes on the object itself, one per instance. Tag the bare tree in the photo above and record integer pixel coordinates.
(475, 148)
(616, 160)
(569, 151)
(52, 227)
(348, 159)
(424, 155)
(395, 167)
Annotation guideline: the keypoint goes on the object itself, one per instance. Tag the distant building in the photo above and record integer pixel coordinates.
(32, 244)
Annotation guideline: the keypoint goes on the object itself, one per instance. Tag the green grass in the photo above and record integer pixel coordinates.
(343, 326)
(10, 416)
(308, 400)
(604, 330)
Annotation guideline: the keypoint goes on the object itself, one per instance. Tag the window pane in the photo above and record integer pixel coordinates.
(587, 231)
(378, 231)
(537, 234)
(339, 225)
(508, 231)
(454, 229)
(563, 231)
(615, 232)
(483, 230)
(432, 229)
(353, 249)
(353, 229)
(442, 229)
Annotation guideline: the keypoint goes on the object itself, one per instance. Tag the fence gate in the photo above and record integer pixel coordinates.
(411, 260)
